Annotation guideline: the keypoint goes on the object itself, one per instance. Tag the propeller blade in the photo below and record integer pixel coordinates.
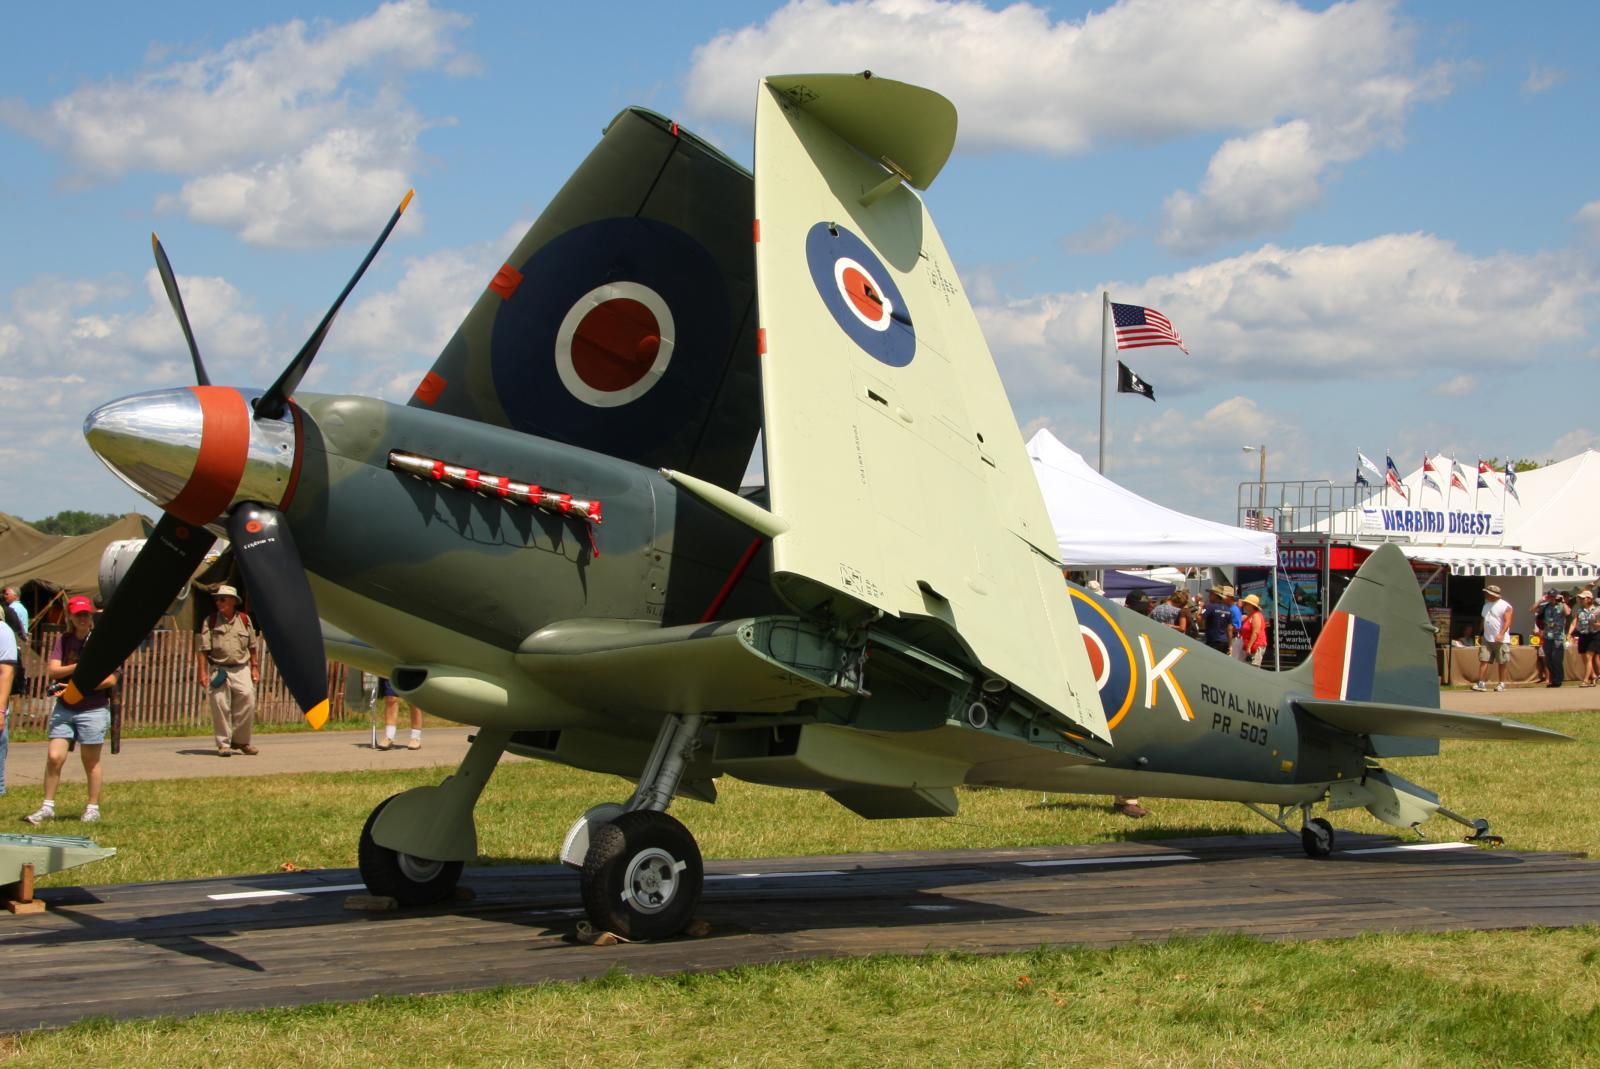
(271, 404)
(170, 281)
(284, 607)
(169, 557)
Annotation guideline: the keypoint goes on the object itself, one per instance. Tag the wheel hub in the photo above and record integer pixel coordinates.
(418, 869)
(651, 880)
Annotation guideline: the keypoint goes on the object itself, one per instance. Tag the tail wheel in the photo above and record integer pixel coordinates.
(642, 876)
(411, 881)
(1317, 837)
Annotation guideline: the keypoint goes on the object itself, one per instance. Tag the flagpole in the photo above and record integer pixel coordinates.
(1105, 370)
(1477, 480)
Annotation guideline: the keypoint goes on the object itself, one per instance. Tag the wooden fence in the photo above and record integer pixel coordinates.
(161, 686)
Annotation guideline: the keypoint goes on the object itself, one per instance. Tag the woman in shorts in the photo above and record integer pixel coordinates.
(1586, 632)
(85, 720)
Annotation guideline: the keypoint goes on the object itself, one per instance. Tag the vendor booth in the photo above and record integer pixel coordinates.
(1543, 531)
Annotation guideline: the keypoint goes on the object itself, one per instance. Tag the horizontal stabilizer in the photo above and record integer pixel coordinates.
(1378, 718)
(763, 664)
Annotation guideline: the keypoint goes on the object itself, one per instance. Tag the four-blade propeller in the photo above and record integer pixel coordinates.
(263, 545)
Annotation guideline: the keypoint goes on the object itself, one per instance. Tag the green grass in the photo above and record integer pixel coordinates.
(1539, 796)
(33, 729)
(1391, 1001)
(1386, 1002)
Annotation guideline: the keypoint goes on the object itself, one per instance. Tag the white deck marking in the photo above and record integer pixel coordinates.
(320, 889)
(1410, 846)
(1127, 859)
(772, 875)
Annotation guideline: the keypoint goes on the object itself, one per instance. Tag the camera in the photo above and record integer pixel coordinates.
(55, 688)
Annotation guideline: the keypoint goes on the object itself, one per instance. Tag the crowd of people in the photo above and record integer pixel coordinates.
(1561, 621)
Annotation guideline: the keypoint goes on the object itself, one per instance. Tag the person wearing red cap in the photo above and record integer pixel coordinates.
(85, 720)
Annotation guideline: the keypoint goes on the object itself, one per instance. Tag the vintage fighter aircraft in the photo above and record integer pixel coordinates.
(549, 541)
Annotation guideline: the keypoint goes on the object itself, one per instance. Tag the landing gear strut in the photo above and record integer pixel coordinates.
(1316, 834)
(641, 871)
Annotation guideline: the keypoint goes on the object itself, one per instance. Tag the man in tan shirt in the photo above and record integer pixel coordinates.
(228, 669)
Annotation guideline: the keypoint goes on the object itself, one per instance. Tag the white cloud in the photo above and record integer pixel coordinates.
(1541, 78)
(1304, 90)
(1023, 80)
(1253, 184)
(1400, 304)
(343, 186)
(1456, 386)
(1572, 443)
(1099, 236)
(1258, 183)
(393, 336)
(293, 135)
(1588, 218)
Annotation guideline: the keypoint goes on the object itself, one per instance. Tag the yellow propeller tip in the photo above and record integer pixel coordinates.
(317, 715)
(409, 194)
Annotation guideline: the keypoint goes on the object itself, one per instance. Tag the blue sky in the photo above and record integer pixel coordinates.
(1376, 225)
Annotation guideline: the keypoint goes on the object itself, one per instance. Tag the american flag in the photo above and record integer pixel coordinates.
(1139, 327)
(1256, 520)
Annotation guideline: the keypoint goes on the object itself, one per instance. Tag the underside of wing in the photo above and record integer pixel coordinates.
(893, 458)
(623, 322)
(762, 664)
(1377, 718)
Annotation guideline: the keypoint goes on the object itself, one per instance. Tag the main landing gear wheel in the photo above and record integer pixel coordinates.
(411, 881)
(1317, 837)
(642, 876)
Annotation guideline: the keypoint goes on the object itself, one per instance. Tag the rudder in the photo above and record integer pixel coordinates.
(1378, 644)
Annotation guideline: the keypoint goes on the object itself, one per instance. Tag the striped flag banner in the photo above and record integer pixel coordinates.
(1139, 327)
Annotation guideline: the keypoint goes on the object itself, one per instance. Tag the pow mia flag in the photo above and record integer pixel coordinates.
(1128, 382)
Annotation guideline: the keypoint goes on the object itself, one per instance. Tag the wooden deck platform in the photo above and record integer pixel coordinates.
(286, 939)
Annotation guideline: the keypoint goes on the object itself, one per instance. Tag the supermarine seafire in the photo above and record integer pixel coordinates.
(568, 561)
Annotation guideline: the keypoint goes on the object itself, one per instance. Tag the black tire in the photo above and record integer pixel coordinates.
(642, 876)
(1317, 837)
(411, 881)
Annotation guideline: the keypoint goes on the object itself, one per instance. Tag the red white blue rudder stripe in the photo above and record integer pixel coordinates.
(1345, 659)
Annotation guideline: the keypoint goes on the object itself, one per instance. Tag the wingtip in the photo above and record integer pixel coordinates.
(406, 200)
(317, 715)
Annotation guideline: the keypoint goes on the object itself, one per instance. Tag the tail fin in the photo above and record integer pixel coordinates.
(1378, 644)
(624, 321)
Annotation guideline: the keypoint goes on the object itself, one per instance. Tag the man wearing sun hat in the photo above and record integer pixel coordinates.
(1496, 647)
(229, 672)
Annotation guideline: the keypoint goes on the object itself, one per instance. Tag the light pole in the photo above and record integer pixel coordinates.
(1261, 504)
(1261, 524)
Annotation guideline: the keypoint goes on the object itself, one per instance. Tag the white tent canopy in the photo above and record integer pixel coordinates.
(1492, 560)
(1554, 512)
(1099, 524)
